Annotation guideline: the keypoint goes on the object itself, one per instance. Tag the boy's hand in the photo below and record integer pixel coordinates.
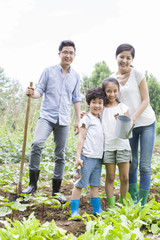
(79, 162)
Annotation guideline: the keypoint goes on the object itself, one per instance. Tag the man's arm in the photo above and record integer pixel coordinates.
(80, 143)
(77, 107)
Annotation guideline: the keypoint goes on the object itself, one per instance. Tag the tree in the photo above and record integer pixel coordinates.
(8, 89)
(100, 72)
(154, 93)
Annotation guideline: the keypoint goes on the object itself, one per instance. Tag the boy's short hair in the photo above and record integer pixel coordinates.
(93, 93)
(66, 43)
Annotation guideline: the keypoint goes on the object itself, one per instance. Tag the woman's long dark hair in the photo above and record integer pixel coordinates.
(125, 47)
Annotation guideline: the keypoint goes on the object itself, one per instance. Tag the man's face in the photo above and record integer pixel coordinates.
(67, 55)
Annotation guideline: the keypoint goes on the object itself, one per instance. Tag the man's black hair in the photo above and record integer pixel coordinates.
(66, 43)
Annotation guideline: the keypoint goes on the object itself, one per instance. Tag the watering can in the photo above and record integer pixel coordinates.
(124, 127)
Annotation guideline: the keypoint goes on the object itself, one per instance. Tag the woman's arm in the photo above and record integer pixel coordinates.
(80, 143)
(145, 100)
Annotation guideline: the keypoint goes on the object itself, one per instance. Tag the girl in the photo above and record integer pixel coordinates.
(116, 150)
(134, 93)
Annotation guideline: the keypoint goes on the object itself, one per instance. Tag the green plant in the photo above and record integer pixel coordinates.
(31, 229)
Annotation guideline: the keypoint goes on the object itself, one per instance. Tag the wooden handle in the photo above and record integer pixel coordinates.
(24, 142)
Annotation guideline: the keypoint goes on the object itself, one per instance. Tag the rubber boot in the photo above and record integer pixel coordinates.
(143, 194)
(33, 176)
(96, 204)
(111, 202)
(133, 192)
(56, 185)
(75, 207)
(121, 199)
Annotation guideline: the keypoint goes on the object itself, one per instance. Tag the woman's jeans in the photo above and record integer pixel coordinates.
(42, 132)
(146, 136)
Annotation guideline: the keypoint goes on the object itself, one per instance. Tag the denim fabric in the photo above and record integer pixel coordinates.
(91, 172)
(144, 135)
(42, 132)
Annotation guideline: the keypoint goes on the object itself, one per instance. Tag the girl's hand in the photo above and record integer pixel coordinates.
(79, 162)
(82, 114)
(116, 115)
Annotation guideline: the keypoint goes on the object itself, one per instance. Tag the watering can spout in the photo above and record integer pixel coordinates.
(124, 127)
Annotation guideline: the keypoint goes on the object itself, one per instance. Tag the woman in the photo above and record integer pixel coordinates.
(134, 93)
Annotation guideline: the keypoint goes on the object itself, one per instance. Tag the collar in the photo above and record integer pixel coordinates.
(61, 69)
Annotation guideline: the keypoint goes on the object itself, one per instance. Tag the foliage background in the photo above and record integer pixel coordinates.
(13, 103)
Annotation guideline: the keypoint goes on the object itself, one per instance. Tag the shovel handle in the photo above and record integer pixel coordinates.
(24, 142)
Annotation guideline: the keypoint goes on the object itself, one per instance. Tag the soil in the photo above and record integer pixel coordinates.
(61, 215)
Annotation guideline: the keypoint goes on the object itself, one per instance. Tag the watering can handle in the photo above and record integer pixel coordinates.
(130, 130)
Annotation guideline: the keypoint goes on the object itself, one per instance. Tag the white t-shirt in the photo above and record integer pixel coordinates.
(111, 142)
(130, 95)
(94, 141)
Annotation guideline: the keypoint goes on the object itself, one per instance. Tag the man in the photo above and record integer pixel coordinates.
(60, 86)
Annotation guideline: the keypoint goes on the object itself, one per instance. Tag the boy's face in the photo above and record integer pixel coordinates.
(67, 55)
(96, 106)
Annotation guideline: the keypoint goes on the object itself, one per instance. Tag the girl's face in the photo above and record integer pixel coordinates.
(124, 60)
(112, 91)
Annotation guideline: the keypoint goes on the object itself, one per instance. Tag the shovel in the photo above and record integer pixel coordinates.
(78, 175)
(14, 196)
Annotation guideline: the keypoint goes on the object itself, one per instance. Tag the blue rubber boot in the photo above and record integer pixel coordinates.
(96, 204)
(75, 207)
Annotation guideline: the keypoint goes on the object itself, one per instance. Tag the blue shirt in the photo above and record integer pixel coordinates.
(58, 94)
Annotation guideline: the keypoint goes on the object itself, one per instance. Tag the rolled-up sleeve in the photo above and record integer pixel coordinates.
(76, 96)
(42, 83)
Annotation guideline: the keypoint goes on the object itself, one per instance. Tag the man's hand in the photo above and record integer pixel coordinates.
(76, 128)
(30, 91)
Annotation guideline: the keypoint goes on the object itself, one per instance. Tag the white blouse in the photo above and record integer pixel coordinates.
(130, 95)
(111, 142)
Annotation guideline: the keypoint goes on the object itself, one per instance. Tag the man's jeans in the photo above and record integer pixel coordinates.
(42, 132)
(146, 135)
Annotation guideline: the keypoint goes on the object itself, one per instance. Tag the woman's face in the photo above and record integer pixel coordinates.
(124, 60)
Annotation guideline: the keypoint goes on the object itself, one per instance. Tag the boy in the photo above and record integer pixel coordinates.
(89, 152)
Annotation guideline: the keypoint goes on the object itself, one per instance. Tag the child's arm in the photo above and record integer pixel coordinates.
(116, 115)
(126, 113)
(80, 143)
